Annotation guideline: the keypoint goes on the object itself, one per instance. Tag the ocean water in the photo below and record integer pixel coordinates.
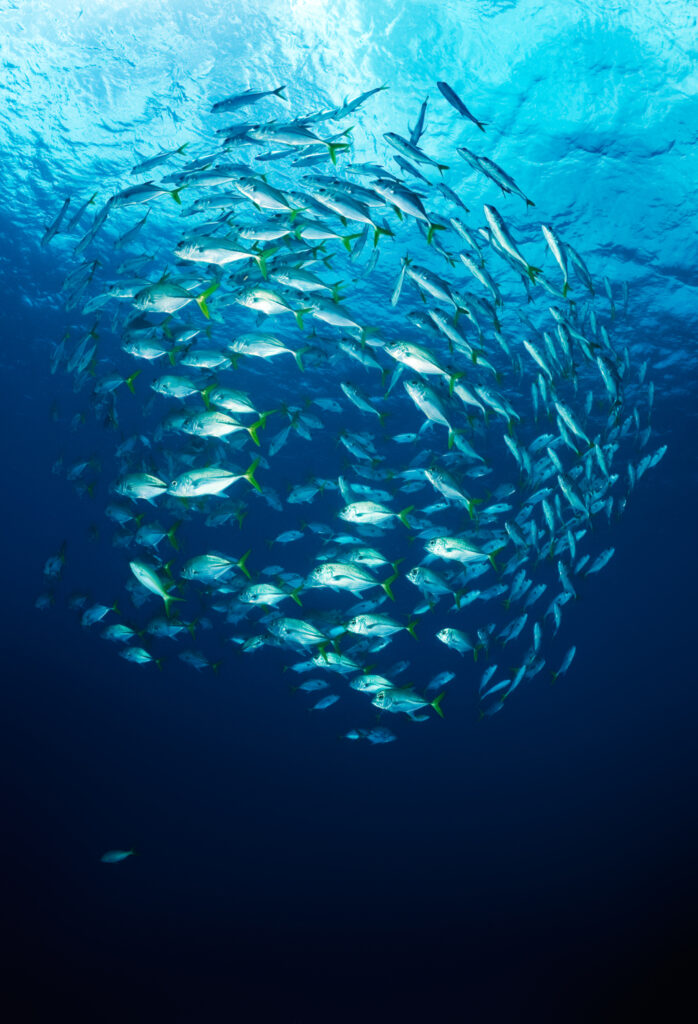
(524, 859)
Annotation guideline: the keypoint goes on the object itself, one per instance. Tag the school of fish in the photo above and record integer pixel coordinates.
(423, 416)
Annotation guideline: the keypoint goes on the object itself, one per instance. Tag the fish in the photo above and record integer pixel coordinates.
(325, 702)
(116, 856)
(210, 480)
(418, 130)
(141, 485)
(169, 297)
(505, 241)
(347, 576)
(212, 567)
(461, 550)
(457, 640)
(435, 373)
(411, 151)
(566, 662)
(405, 701)
(148, 578)
(457, 103)
(601, 561)
(558, 250)
(246, 99)
(372, 513)
(297, 632)
(377, 626)
(54, 227)
(374, 736)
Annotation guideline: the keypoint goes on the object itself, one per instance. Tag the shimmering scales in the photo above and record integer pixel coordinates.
(450, 409)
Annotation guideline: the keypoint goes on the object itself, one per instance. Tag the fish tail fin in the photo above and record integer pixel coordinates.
(382, 230)
(410, 627)
(277, 92)
(402, 516)
(565, 289)
(175, 194)
(294, 594)
(172, 534)
(436, 704)
(168, 599)
(529, 202)
(442, 167)
(452, 383)
(472, 502)
(432, 229)
(201, 299)
(295, 211)
(348, 239)
(336, 147)
(492, 556)
(250, 477)
(241, 563)
(335, 290)
(387, 586)
(300, 313)
(129, 381)
(481, 125)
(299, 358)
(532, 271)
(262, 257)
(205, 395)
(183, 148)
(254, 427)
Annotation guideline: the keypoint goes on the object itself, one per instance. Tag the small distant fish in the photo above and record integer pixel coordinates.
(418, 130)
(377, 735)
(114, 856)
(566, 662)
(325, 702)
(455, 101)
(245, 99)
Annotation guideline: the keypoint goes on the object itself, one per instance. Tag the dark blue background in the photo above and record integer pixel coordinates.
(537, 865)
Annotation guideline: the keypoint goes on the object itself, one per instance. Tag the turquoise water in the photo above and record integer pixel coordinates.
(544, 822)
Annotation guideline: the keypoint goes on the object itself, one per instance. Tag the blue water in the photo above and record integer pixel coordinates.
(533, 865)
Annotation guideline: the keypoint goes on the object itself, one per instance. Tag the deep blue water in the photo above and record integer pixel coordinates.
(535, 865)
